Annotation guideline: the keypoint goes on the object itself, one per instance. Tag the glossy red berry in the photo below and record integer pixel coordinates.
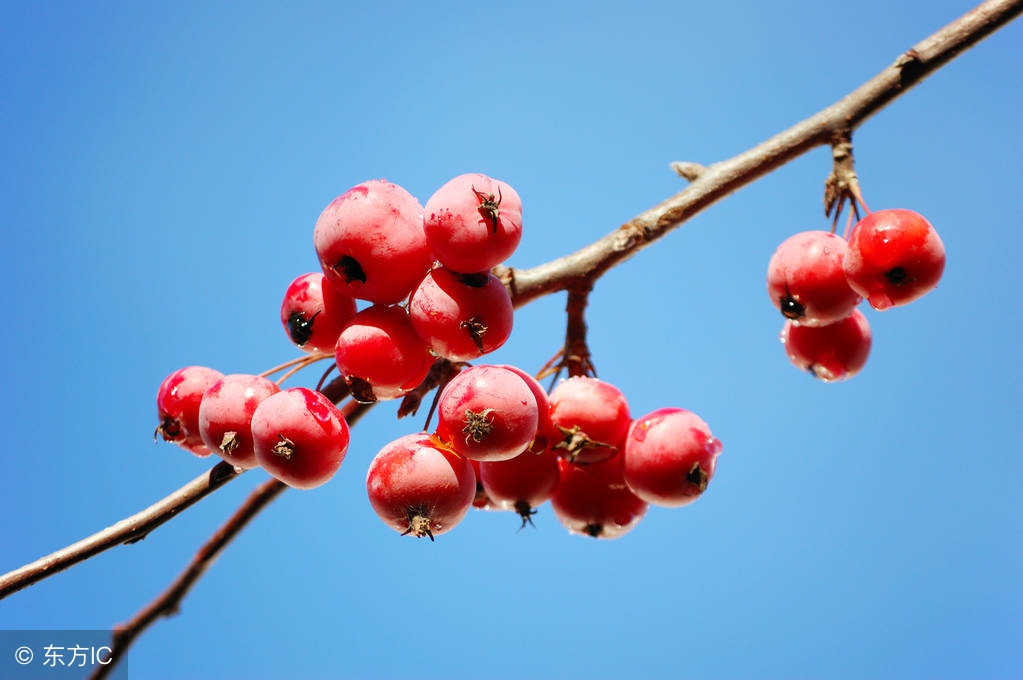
(371, 243)
(669, 457)
(895, 257)
(487, 413)
(225, 416)
(419, 487)
(806, 279)
(380, 356)
(300, 437)
(473, 223)
(546, 434)
(177, 406)
(592, 417)
(593, 500)
(314, 312)
(522, 483)
(834, 352)
(461, 316)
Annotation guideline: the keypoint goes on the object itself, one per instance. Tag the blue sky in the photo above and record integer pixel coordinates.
(164, 164)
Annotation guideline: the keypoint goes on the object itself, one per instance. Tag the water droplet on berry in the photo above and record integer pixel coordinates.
(713, 446)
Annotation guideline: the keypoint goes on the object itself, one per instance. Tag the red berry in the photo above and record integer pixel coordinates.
(314, 312)
(371, 243)
(461, 316)
(522, 483)
(594, 500)
(473, 223)
(546, 434)
(487, 413)
(834, 352)
(380, 356)
(669, 457)
(592, 417)
(806, 279)
(177, 406)
(300, 437)
(895, 257)
(225, 416)
(418, 487)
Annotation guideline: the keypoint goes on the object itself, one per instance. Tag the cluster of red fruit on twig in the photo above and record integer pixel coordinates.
(501, 441)
(817, 279)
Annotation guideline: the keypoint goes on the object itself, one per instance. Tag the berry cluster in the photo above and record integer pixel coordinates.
(502, 442)
(817, 279)
(426, 277)
(431, 302)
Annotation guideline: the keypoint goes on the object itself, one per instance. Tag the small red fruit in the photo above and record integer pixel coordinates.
(300, 437)
(669, 457)
(806, 279)
(834, 352)
(593, 500)
(225, 416)
(592, 417)
(487, 413)
(461, 316)
(473, 223)
(895, 256)
(177, 407)
(371, 243)
(522, 483)
(420, 488)
(314, 312)
(380, 356)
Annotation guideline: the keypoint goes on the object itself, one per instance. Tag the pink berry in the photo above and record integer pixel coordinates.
(461, 316)
(546, 434)
(669, 457)
(177, 406)
(522, 483)
(806, 279)
(834, 352)
(225, 416)
(314, 312)
(487, 413)
(592, 417)
(418, 487)
(473, 223)
(593, 500)
(380, 356)
(371, 243)
(300, 437)
(895, 257)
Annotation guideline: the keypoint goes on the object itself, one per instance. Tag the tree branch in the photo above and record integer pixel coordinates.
(168, 602)
(711, 184)
(708, 185)
(137, 527)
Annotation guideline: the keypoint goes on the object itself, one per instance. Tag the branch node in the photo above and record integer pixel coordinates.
(688, 170)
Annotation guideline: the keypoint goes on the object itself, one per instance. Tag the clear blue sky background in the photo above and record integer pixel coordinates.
(164, 164)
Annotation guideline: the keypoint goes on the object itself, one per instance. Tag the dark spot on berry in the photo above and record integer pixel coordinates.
(476, 330)
(790, 308)
(362, 391)
(490, 206)
(350, 269)
(526, 512)
(170, 429)
(478, 425)
(285, 448)
(419, 524)
(594, 530)
(697, 476)
(230, 442)
(300, 328)
(897, 276)
(479, 280)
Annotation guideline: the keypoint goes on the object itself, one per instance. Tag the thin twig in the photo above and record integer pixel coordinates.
(168, 602)
(721, 179)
